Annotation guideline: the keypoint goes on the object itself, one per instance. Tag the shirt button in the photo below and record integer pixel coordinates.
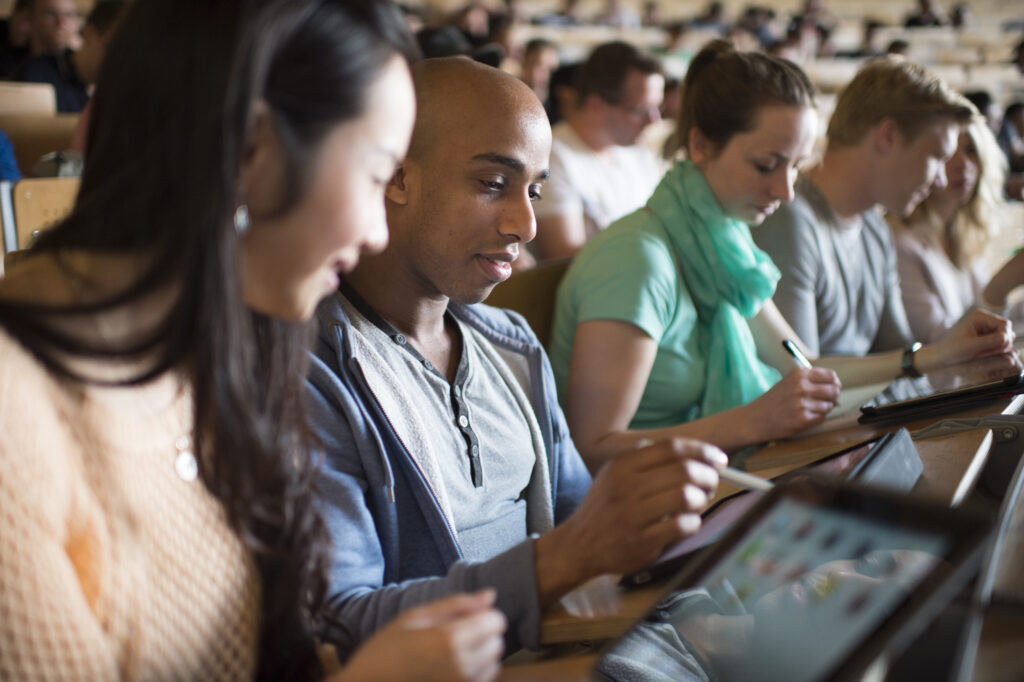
(463, 421)
(426, 363)
(400, 339)
(474, 451)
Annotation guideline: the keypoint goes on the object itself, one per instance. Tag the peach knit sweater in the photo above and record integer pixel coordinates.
(112, 567)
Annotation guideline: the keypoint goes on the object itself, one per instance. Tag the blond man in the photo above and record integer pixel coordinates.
(894, 127)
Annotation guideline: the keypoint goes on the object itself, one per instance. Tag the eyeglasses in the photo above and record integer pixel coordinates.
(652, 112)
(57, 15)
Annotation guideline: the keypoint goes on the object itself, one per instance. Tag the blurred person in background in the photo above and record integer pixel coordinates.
(940, 242)
(598, 171)
(868, 44)
(927, 15)
(15, 33)
(540, 59)
(54, 26)
(1011, 136)
(987, 107)
(72, 73)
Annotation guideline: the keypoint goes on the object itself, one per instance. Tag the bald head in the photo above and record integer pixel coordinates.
(456, 96)
(461, 204)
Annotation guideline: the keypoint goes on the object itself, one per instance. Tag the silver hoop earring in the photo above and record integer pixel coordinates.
(241, 218)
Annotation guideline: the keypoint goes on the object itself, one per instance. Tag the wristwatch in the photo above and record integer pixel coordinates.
(907, 363)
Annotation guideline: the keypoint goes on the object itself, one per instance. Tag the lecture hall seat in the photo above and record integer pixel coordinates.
(531, 293)
(35, 99)
(34, 136)
(39, 204)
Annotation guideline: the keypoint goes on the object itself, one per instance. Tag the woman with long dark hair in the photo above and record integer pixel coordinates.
(158, 517)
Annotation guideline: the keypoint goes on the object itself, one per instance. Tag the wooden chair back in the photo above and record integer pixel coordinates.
(39, 204)
(35, 136)
(531, 293)
(12, 258)
(38, 99)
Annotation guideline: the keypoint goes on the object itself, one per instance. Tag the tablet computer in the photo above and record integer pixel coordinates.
(914, 398)
(889, 460)
(815, 581)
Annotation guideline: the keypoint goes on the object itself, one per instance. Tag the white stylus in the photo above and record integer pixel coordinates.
(740, 478)
(744, 479)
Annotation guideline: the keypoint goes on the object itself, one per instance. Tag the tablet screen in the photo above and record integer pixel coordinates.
(791, 598)
(815, 582)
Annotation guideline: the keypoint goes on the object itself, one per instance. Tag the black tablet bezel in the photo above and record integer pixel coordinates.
(968, 530)
(936, 402)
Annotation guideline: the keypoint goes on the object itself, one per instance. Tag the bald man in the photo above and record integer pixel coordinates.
(449, 466)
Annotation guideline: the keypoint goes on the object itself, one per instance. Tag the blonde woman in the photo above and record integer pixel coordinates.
(939, 244)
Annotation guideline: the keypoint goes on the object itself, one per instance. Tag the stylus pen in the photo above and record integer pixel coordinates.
(794, 350)
(744, 479)
(740, 478)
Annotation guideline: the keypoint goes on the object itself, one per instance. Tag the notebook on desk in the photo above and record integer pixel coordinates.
(813, 583)
(890, 460)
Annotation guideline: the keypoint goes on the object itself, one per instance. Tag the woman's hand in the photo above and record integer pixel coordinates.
(799, 400)
(455, 639)
(979, 334)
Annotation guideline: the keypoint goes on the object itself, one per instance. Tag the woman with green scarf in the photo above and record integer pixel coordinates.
(664, 323)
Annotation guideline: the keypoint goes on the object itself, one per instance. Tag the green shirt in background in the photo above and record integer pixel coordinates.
(689, 276)
(629, 273)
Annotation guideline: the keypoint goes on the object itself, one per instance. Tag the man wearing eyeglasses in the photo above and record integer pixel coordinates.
(598, 171)
(71, 72)
(54, 26)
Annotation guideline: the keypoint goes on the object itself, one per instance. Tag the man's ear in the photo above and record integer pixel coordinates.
(886, 136)
(397, 191)
(594, 103)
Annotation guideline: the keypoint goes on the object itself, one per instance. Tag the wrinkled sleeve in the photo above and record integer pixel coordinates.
(788, 237)
(893, 328)
(629, 278)
(929, 319)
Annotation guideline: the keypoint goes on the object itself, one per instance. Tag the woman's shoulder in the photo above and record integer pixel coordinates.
(26, 386)
(30, 420)
(628, 262)
(635, 239)
(18, 365)
(910, 237)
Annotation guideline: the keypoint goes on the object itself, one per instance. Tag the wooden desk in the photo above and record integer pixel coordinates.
(998, 658)
(952, 465)
(1009, 576)
(575, 669)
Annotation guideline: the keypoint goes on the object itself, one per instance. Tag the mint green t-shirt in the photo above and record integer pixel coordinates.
(629, 273)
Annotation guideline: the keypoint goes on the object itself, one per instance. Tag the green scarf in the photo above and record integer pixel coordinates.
(729, 279)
